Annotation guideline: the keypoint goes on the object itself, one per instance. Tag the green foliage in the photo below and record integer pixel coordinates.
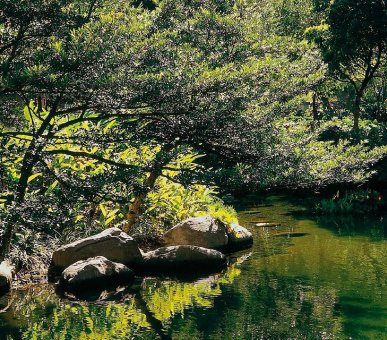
(104, 99)
(350, 202)
(315, 155)
(171, 203)
(352, 41)
(352, 32)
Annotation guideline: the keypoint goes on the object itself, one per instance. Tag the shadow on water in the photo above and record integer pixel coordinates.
(349, 225)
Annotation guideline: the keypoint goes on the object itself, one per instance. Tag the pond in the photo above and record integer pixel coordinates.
(303, 279)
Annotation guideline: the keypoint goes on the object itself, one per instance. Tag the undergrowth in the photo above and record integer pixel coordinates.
(350, 202)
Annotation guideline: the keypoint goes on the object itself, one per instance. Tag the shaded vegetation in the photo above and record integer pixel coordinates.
(137, 114)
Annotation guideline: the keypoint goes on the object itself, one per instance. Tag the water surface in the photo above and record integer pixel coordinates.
(304, 279)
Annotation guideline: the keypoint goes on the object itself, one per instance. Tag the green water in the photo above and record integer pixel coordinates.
(329, 282)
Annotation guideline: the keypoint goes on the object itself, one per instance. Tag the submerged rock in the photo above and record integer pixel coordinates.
(239, 237)
(94, 272)
(185, 258)
(112, 243)
(204, 231)
(5, 277)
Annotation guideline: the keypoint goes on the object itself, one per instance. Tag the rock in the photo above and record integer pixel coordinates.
(147, 242)
(267, 225)
(239, 237)
(5, 277)
(184, 258)
(204, 231)
(112, 243)
(94, 273)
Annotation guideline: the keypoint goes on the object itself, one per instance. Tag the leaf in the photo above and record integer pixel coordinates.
(27, 115)
(78, 218)
(90, 323)
(31, 178)
(51, 188)
(113, 213)
(104, 212)
(109, 220)
(109, 126)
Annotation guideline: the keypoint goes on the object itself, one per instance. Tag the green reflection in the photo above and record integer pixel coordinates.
(165, 299)
(38, 313)
(330, 282)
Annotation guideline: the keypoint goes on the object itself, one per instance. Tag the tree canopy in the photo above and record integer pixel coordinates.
(353, 42)
(106, 101)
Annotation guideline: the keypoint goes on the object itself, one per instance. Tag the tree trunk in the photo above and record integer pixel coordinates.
(29, 161)
(135, 206)
(5, 242)
(356, 113)
(26, 171)
(41, 100)
(162, 158)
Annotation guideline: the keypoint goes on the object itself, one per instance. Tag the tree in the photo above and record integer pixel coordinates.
(25, 30)
(123, 80)
(353, 43)
(122, 94)
(77, 69)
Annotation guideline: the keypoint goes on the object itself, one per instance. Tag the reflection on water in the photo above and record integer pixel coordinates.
(304, 279)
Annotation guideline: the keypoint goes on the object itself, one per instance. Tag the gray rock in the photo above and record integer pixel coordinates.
(204, 231)
(239, 237)
(183, 258)
(5, 277)
(112, 243)
(94, 272)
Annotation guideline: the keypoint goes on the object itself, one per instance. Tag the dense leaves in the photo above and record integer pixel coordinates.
(106, 104)
(353, 43)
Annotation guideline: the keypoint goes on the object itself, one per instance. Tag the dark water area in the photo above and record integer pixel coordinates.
(304, 278)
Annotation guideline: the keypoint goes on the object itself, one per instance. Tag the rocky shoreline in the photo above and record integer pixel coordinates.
(112, 257)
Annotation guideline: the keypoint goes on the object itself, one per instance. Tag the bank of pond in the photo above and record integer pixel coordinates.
(303, 278)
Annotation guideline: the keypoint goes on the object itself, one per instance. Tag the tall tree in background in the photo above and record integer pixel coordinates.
(353, 42)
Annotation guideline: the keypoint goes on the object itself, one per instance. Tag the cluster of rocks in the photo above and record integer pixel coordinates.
(193, 245)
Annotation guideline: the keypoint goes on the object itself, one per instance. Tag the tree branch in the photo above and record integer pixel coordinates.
(92, 156)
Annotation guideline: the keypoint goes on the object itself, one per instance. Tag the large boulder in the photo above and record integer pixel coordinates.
(239, 237)
(5, 277)
(95, 272)
(184, 258)
(112, 243)
(204, 231)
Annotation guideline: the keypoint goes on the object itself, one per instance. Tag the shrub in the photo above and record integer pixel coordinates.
(351, 202)
(171, 203)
